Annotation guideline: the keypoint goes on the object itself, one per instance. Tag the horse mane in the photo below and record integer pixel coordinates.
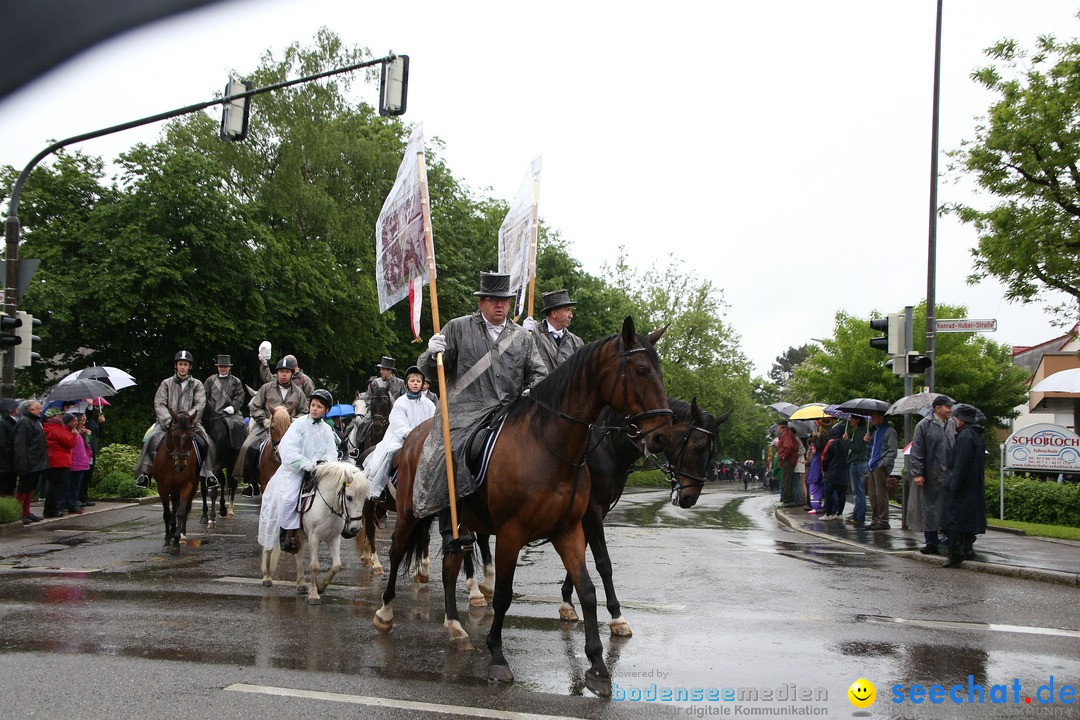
(280, 420)
(550, 391)
(341, 473)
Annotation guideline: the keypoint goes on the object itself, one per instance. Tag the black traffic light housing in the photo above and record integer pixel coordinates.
(893, 340)
(917, 364)
(8, 327)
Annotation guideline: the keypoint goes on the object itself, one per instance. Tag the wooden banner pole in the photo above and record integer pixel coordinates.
(429, 244)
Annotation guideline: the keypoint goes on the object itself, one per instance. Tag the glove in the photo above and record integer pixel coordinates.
(266, 423)
(436, 343)
(308, 467)
(529, 324)
(264, 350)
(229, 410)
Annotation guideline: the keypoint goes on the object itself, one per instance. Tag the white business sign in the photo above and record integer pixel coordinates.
(1043, 447)
(966, 325)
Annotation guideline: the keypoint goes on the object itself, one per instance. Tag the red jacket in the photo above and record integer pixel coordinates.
(788, 446)
(60, 440)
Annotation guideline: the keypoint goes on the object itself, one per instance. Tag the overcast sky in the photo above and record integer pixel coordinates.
(778, 148)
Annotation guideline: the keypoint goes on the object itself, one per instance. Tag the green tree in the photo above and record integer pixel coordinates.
(968, 367)
(699, 353)
(784, 365)
(1025, 156)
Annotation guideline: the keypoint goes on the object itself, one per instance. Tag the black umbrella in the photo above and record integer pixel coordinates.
(77, 389)
(863, 406)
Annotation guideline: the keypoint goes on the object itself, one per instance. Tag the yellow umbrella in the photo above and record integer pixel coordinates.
(810, 411)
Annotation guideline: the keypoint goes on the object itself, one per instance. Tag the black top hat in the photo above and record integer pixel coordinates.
(494, 285)
(556, 299)
(387, 363)
(223, 361)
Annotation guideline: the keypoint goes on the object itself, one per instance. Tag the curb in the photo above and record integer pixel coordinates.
(1039, 574)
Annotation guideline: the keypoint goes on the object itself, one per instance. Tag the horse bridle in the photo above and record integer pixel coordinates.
(669, 469)
(179, 456)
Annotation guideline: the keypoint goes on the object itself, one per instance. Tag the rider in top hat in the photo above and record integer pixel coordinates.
(225, 399)
(489, 361)
(279, 392)
(180, 393)
(553, 337)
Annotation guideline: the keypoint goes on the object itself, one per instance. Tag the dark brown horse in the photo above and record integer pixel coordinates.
(692, 447)
(176, 470)
(537, 484)
(365, 432)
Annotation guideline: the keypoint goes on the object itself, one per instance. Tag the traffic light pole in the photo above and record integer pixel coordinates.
(931, 254)
(12, 227)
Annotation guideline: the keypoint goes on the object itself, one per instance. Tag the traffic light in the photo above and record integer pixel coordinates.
(917, 364)
(394, 89)
(24, 349)
(893, 340)
(8, 327)
(235, 113)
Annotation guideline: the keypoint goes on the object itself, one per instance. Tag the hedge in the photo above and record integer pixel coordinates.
(1036, 501)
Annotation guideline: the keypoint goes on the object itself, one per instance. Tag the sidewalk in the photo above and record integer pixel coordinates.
(100, 506)
(999, 551)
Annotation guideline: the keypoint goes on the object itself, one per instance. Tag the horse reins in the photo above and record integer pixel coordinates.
(672, 472)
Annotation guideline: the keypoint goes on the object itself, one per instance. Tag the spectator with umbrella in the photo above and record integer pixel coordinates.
(964, 514)
(60, 440)
(883, 443)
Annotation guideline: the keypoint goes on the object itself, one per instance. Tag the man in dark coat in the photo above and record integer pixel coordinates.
(552, 334)
(964, 512)
(8, 418)
(931, 453)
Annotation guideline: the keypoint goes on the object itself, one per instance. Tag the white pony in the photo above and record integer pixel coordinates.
(334, 513)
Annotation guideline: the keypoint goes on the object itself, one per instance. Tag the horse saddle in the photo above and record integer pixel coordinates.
(200, 447)
(307, 492)
(482, 441)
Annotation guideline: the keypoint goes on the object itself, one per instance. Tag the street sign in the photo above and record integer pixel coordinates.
(966, 325)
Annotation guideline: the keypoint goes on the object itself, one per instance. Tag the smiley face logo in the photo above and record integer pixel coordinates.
(862, 693)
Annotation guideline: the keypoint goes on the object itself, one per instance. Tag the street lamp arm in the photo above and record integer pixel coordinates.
(16, 188)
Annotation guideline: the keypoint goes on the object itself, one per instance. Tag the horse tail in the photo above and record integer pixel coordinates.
(418, 541)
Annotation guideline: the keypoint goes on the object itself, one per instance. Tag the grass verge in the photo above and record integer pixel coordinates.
(1059, 532)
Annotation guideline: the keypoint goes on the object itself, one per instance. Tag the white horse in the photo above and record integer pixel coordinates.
(334, 513)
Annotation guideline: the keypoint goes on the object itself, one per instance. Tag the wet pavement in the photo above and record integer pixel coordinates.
(719, 596)
(1001, 551)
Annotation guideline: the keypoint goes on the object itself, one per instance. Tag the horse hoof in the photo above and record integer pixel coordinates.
(314, 600)
(422, 578)
(601, 686)
(230, 515)
(478, 601)
(267, 582)
(383, 626)
(365, 560)
(203, 520)
(377, 570)
(501, 674)
(462, 645)
(621, 629)
(174, 550)
(166, 548)
(487, 590)
(568, 615)
(211, 525)
(301, 589)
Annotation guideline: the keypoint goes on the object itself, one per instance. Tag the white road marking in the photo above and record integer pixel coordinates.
(661, 607)
(50, 570)
(961, 625)
(458, 710)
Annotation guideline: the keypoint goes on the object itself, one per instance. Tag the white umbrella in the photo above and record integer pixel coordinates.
(1066, 381)
(114, 377)
(919, 403)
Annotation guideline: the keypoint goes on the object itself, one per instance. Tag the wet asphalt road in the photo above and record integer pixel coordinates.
(97, 623)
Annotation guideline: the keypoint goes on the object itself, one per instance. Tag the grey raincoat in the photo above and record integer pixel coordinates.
(480, 376)
(180, 397)
(553, 352)
(931, 452)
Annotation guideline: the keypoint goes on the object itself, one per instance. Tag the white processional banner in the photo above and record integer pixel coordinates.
(517, 256)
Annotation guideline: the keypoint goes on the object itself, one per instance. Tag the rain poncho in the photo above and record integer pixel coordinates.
(552, 352)
(182, 396)
(481, 376)
(407, 414)
(305, 443)
(931, 450)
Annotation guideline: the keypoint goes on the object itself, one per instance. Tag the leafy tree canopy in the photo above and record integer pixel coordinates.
(1024, 156)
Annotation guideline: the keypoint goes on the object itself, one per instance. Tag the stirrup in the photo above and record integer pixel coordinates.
(211, 482)
(462, 544)
(249, 491)
(142, 481)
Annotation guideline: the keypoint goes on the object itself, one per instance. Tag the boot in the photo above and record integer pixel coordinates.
(288, 541)
(450, 546)
(956, 554)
